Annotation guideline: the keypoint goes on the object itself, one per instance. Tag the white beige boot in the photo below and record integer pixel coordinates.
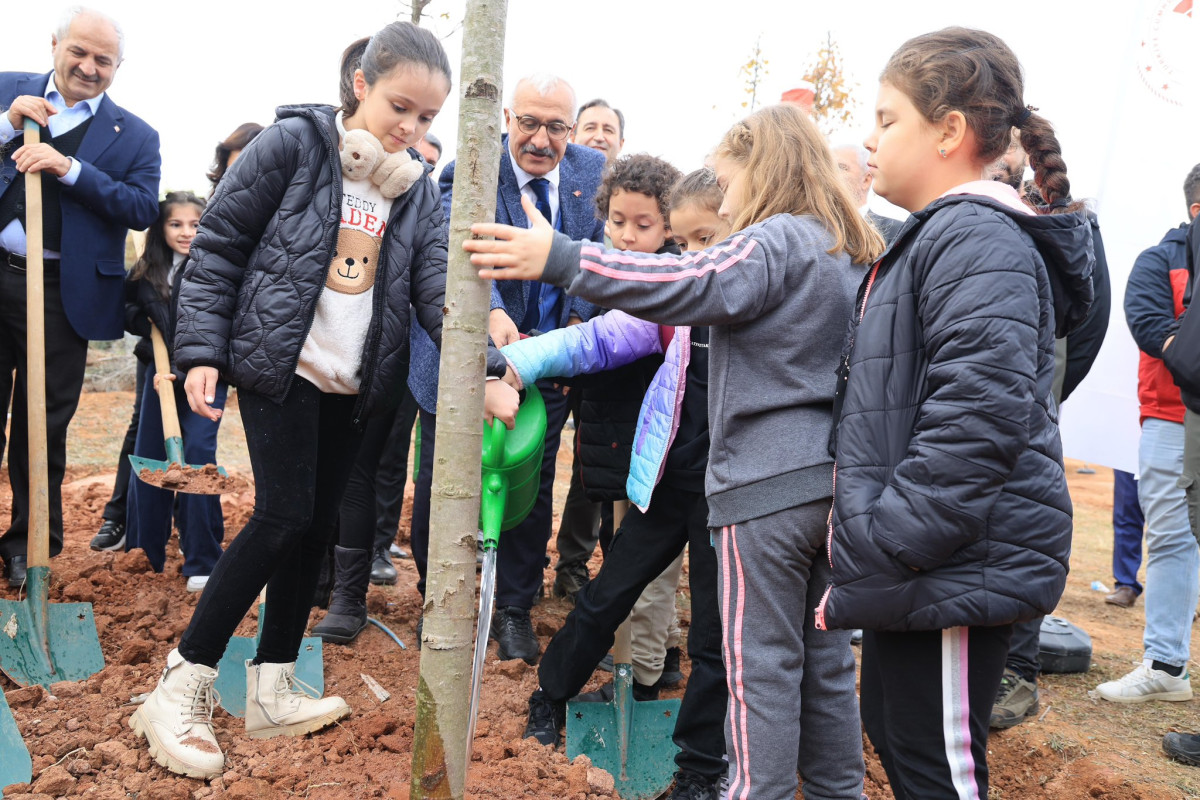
(176, 720)
(277, 705)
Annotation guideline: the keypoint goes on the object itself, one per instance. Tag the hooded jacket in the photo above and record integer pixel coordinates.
(261, 257)
(950, 502)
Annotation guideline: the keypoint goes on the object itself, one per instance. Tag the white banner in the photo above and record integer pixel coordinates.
(1150, 118)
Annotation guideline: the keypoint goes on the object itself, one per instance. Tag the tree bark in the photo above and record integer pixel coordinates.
(443, 693)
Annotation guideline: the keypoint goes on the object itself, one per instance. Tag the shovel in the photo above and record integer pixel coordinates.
(175, 474)
(42, 643)
(15, 764)
(512, 475)
(231, 669)
(631, 740)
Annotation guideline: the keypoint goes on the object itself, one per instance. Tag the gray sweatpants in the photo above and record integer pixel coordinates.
(792, 704)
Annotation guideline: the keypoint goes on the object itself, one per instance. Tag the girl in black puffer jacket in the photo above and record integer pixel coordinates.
(317, 241)
(951, 517)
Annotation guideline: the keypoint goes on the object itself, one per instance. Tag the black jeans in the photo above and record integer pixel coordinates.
(66, 357)
(114, 510)
(1024, 648)
(642, 548)
(381, 462)
(301, 451)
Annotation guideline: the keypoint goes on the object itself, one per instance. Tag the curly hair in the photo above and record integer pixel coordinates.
(643, 173)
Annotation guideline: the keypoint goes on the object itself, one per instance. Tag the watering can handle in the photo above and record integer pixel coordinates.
(495, 432)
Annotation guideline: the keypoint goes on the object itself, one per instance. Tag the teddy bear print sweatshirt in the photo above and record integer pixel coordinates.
(331, 358)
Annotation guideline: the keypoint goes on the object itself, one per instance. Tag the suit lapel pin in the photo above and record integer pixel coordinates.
(116, 128)
(577, 193)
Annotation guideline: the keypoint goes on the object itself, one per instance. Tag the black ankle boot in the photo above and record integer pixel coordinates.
(348, 607)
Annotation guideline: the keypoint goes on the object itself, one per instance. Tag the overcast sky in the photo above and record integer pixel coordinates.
(195, 71)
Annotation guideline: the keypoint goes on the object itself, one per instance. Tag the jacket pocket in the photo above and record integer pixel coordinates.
(113, 269)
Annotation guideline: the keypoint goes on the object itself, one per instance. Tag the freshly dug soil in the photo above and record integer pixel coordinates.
(187, 478)
(1077, 747)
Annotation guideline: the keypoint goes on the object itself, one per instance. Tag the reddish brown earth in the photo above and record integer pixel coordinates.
(81, 744)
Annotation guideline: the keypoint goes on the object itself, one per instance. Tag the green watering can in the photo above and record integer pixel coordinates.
(512, 476)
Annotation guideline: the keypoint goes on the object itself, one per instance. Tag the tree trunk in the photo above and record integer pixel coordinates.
(443, 692)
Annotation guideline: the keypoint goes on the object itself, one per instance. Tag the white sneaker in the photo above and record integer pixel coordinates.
(1146, 683)
(196, 583)
(279, 704)
(176, 720)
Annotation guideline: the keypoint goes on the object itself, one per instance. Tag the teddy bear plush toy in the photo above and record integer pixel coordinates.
(393, 173)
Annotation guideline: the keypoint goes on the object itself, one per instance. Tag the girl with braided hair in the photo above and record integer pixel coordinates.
(951, 517)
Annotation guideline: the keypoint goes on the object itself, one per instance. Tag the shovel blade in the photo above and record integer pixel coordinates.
(15, 764)
(231, 670)
(179, 477)
(70, 632)
(592, 730)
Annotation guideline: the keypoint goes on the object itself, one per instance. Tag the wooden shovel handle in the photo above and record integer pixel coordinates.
(166, 389)
(623, 645)
(38, 539)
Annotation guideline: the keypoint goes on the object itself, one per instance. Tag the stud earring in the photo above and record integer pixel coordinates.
(943, 152)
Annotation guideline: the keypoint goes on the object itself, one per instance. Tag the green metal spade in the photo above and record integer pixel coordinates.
(632, 740)
(42, 643)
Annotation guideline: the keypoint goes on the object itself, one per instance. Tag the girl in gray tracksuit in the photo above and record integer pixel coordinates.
(777, 296)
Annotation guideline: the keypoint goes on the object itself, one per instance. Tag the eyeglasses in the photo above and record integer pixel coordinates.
(531, 125)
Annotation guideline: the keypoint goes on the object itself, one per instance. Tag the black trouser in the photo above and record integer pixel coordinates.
(642, 548)
(302, 451)
(1024, 648)
(360, 523)
(925, 744)
(114, 510)
(66, 357)
(521, 557)
(393, 474)
(579, 529)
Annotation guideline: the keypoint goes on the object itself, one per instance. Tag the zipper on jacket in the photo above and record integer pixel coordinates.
(844, 375)
(375, 332)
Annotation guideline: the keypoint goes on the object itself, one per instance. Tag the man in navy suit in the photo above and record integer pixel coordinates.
(561, 179)
(99, 168)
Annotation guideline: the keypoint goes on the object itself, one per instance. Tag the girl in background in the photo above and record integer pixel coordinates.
(153, 285)
(230, 149)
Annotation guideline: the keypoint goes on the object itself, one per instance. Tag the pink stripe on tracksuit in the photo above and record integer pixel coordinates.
(791, 687)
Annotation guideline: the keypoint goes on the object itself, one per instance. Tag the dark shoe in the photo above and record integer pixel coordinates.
(671, 676)
(14, 568)
(348, 607)
(856, 636)
(111, 536)
(420, 627)
(382, 571)
(641, 693)
(1123, 596)
(546, 719)
(1016, 701)
(693, 786)
(606, 663)
(512, 628)
(569, 580)
(395, 551)
(1183, 747)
